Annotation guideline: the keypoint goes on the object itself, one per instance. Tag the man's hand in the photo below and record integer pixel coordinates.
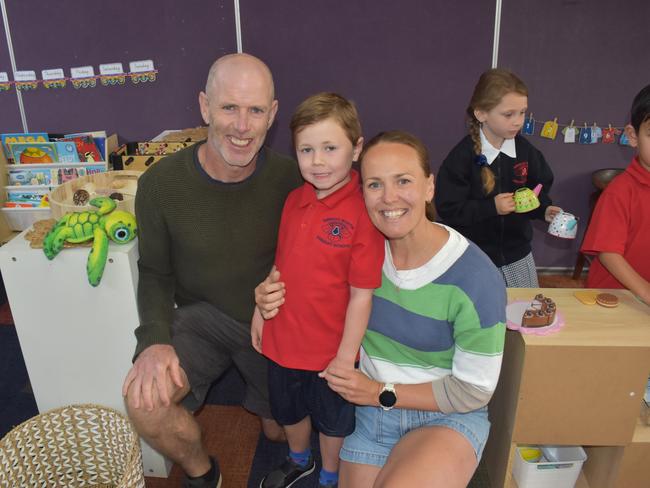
(505, 203)
(269, 295)
(149, 375)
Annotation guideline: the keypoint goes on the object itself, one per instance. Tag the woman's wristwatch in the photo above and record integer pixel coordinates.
(387, 396)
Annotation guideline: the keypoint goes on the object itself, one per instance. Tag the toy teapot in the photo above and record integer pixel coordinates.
(564, 225)
(526, 199)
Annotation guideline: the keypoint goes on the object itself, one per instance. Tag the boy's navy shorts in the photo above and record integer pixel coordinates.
(295, 393)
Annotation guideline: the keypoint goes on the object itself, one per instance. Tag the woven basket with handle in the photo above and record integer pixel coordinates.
(74, 446)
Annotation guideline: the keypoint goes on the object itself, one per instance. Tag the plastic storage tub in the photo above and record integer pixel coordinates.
(561, 472)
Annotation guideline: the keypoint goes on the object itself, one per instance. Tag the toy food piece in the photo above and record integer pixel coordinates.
(81, 197)
(541, 312)
(607, 300)
(117, 196)
(531, 454)
(586, 297)
(34, 155)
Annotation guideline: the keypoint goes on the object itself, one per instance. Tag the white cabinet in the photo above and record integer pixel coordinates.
(77, 340)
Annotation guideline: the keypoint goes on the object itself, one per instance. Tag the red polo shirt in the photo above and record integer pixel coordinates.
(621, 224)
(324, 247)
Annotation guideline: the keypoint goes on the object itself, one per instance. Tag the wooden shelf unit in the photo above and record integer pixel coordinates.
(580, 386)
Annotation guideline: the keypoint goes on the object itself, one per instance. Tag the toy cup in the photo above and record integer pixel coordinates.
(564, 225)
(526, 199)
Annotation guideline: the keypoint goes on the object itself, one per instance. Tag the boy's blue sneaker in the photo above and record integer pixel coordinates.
(287, 474)
(328, 485)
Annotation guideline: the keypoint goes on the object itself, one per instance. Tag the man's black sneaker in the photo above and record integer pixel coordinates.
(211, 479)
(287, 474)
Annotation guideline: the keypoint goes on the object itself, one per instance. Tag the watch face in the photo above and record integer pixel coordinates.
(387, 399)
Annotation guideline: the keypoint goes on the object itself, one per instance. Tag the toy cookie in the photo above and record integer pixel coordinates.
(586, 297)
(607, 300)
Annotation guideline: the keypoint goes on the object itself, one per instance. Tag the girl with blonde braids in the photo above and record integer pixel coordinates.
(477, 180)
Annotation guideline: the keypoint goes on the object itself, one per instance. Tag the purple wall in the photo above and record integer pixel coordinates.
(182, 38)
(409, 65)
(9, 111)
(583, 61)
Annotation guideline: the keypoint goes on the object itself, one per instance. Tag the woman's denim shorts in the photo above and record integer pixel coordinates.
(377, 431)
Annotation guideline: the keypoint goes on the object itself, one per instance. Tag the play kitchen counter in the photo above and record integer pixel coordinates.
(582, 385)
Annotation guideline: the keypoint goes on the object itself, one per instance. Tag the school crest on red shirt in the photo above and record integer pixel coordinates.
(521, 173)
(335, 232)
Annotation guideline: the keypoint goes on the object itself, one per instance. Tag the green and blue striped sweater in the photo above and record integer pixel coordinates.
(442, 323)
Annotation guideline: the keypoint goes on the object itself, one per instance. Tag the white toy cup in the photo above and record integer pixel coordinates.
(564, 225)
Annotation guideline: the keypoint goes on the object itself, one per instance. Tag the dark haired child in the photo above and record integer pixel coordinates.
(619, 232)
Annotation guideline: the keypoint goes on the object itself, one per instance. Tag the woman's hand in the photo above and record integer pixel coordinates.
(505, 203)
(269, 295)
(550, 212)
(352, 385)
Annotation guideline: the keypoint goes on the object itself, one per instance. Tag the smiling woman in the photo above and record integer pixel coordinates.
(431, 355)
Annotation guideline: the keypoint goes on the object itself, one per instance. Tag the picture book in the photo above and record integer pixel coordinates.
(99, 138)
(61, 175)
(21, 137)
(86, 148)
(26, 196)
(33, 152)
(67, 152)
(20, 177)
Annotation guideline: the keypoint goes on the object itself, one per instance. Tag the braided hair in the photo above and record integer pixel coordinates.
(492, 86)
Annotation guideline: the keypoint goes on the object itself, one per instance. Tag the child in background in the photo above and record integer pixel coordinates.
(330, 256)
(476, 182)
(619, 231)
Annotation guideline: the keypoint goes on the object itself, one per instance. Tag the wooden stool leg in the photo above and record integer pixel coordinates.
(580, 263)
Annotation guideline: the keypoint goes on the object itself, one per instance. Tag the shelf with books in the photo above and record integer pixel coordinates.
(26, 184)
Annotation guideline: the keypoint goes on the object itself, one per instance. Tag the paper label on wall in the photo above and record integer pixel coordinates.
(569, 135)
(111, 69)
(529, 126)
(52, 74)
(25, 76)
(141, 66)
(550, 129)
(585, 135)
(4, 78)
(82, 72)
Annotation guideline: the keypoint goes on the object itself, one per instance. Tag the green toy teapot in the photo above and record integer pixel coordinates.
(526, 199)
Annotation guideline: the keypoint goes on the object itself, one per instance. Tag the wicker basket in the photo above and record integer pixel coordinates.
(75, 446)
(97, 184)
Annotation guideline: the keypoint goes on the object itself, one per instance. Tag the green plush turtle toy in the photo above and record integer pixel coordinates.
(98, 226)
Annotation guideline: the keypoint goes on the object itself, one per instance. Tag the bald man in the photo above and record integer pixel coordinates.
(208, 218)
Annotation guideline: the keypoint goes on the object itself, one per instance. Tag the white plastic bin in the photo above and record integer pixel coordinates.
(563, 472)
(22, 218)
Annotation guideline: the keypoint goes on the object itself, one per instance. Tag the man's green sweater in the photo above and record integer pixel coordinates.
(204, 240)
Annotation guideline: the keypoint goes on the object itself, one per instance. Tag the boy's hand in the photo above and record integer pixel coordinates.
(550, 212)
(338, 364)
(505, 203)
(257, 327)
(353, 385)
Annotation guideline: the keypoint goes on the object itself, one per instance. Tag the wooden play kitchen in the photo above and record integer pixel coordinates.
(582, 386)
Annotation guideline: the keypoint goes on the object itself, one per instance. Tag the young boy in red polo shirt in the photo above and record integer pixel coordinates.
(619, 232)
(330, 256)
